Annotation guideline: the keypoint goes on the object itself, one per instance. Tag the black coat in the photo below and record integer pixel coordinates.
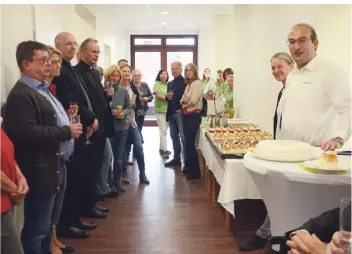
(30, 122)
(99, 101)
(69, 89)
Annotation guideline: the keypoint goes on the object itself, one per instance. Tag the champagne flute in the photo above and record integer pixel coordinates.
(89, 133)
(345, 224)
(74, 108)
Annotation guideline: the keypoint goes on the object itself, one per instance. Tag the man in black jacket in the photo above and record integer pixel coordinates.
(70, 88)
(42, 135)
(100, 103)
(174, 115)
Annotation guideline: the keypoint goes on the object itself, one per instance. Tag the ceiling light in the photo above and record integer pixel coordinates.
(164, 13)
(164, 23)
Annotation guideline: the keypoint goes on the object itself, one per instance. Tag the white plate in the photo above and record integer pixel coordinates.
(316, 164)
(274, 158)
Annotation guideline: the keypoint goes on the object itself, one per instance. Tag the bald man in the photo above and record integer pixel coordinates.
(70, 88)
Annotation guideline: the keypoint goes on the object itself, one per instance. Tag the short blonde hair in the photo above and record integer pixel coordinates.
(110, 70)
(53, 51)
(284, 56)
(194, 68)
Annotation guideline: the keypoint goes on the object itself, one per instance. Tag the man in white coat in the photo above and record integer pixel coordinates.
(315, 107)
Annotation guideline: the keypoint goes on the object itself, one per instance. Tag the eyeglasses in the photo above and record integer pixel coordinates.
(301, 41)
(43, 61)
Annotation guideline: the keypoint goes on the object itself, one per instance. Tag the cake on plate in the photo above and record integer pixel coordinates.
(329, 160)
(284, 150)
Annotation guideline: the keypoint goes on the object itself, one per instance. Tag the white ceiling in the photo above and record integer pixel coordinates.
(148, 17)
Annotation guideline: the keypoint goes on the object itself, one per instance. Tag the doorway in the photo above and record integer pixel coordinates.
(150, 53)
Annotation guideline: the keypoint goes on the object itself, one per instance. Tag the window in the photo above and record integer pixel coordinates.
(147, 41)
(180, 41)
(150, 53)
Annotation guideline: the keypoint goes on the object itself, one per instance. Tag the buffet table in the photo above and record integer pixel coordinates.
(293, 195)
(233, 178)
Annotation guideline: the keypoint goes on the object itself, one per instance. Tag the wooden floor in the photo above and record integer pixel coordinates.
(171, 215)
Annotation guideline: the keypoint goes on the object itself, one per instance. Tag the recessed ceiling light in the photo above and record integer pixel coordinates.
(164, 13)
(164, 23)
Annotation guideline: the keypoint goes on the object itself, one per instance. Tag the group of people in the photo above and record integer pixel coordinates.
(66, 137)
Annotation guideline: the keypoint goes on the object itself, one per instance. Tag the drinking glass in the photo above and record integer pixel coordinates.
(345, 222)
(75, 119)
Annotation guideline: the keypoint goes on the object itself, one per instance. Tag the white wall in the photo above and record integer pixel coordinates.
(223, 40)
(48, 22)
(11, 34)
(261, 31)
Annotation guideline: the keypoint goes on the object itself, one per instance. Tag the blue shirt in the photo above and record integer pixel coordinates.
(66, 147)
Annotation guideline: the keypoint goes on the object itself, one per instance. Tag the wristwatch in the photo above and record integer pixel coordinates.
(338, 139)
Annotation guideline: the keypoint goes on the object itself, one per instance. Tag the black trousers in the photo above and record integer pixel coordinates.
(82, 175)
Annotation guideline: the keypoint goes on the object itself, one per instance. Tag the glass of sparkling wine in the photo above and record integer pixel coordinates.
(75, 119)
(345, 223)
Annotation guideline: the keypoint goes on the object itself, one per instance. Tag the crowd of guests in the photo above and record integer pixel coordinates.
(68, 132)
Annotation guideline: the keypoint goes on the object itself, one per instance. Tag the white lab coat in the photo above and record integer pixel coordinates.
(316, 104)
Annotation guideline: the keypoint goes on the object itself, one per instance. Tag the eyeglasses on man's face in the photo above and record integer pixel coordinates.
(301, 41)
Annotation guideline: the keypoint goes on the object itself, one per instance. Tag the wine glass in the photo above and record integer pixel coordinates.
(345, 222)
(89, 133)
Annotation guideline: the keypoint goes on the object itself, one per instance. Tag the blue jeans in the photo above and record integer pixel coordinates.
(134, 137)
(176, 132)
(59, 199)
(191, 124)
(103, 186)
(118, 144)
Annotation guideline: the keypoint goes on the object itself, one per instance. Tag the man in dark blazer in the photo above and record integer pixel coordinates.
(39, 127)
(70, 88)
(100, 103)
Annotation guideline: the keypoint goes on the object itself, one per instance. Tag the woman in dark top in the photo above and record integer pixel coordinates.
(281, 65)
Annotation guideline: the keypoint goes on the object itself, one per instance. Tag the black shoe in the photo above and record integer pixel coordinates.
(112, 194)
(193, 177)
(96, 214)
(101, 197)
(72, 232)
(67, 249)
(143, 178)
(101, 208)
(172, 163)
(253, 244)
(85, 225)
(185, 170)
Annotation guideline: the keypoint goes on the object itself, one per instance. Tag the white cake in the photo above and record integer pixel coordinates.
(284, 150)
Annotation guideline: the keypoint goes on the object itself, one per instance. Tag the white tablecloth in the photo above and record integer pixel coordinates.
(231, 175)
(293, 195)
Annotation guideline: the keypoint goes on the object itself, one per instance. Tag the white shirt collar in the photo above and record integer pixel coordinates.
(309, 66)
